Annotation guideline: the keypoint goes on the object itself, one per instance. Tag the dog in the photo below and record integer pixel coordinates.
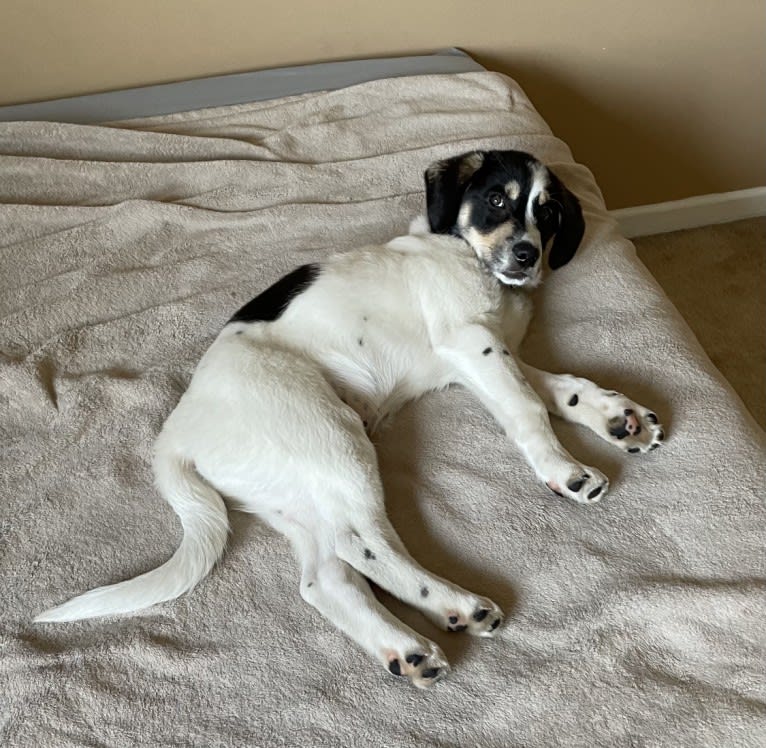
(279, 410)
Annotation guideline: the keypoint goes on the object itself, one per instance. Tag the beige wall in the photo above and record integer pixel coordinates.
(662, 99)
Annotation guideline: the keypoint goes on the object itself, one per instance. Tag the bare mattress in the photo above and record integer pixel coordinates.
(124, 247)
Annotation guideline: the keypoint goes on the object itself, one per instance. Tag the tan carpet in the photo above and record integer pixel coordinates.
(716, 277)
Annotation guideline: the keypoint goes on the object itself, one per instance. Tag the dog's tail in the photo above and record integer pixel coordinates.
(205, 524)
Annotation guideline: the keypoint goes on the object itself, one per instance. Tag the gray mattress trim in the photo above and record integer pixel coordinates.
(240, 88)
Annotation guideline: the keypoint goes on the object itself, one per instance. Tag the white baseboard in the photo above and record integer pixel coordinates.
(692, 212)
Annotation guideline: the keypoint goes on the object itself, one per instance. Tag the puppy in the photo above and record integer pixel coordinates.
(277, 415)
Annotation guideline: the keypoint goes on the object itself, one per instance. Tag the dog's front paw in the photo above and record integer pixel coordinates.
(585, 486)
(421, 665)
(630, 426)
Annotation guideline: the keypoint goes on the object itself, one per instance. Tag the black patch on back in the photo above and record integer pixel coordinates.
(269, 305)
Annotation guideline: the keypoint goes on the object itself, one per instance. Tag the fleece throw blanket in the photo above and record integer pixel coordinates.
(123, 250)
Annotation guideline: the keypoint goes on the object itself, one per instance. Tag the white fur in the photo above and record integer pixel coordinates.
(265, 424)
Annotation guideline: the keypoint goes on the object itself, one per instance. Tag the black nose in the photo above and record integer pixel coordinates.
(526, 254)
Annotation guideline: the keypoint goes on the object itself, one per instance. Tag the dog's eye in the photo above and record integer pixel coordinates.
(544, 214)
(496, 200)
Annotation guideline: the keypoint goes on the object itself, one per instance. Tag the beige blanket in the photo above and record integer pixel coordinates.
(123, 249)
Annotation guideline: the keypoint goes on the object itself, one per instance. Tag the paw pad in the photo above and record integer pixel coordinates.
(422, 669)
(481, 621)
(577, 484)
(584, 487)
(638, 429)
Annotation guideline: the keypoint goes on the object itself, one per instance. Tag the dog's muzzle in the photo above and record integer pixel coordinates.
(517, 264)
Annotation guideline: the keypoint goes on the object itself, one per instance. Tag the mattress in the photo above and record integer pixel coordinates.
(124, 247)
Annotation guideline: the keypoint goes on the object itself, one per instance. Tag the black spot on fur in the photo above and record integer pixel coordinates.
(576, 485)
(487, 351)
(461, 627)
(480, 615)
(270, 305)
(361, 342)
(395, 667)
(505, 353)
(628, 411)
(573, 400)
(310, 584)
(660, 436)
(239, 332)
(415, 659)
(651, 417)
(424, 592)
(369, 554)
(633, 450)
(452, 619)
(494, 625)
(432, 672)
(595, 492)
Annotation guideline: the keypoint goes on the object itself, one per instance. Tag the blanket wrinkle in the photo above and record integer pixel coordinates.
(106, 319)
(46, 374)
(634, 622)
(672, 673)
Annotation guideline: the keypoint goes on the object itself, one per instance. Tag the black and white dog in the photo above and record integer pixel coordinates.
(277, 414)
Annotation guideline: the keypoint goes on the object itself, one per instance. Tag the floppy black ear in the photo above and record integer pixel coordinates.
(571, 225)
(445, 185)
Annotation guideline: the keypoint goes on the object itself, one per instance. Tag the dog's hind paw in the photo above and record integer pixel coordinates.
(481, 619)
(422, 666)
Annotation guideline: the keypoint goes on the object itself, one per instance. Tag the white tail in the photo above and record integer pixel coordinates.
(205, 523)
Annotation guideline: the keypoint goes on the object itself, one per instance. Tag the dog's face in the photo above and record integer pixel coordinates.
(509, 207)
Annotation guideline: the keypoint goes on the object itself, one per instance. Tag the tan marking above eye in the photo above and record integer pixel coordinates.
(513, 190)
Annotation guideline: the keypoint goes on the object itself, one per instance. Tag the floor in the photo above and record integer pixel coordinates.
(716, 277)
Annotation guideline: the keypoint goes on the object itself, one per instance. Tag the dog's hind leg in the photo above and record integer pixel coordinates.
(372, 546)
(609, 414)
(343, 596)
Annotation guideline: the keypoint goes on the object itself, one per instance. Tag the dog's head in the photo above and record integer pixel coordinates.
(509, 207)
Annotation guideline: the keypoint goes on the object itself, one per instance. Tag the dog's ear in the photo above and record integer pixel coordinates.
(571, 225)
(446, 182)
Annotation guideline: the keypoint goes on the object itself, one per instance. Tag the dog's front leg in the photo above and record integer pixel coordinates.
(481, 362)
(609, 414)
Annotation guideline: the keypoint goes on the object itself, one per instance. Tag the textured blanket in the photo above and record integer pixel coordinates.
(123, 250)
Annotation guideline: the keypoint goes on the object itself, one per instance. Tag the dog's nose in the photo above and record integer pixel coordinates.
(526, 254)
